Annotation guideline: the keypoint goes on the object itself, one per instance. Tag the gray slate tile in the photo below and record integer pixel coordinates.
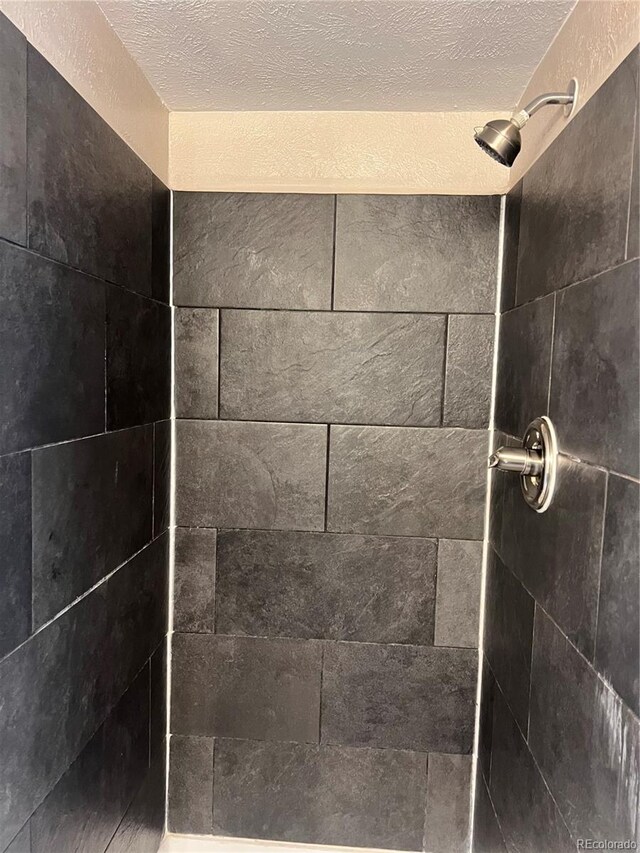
(448, 790)
(320, 795)
(246, 688)
(195, 580)
(458, 593)
(327, 586)
(161, 476)
(196, 362)
(253, 250)
(22, 842)
(487, 837)
(160, 241)
(407, 482)
(13, 133)
(191, 785)
(232, 474)
(416, 253)
(332, 367)
(142, 828)
(467, 396)
(399, 697)
(15, 550)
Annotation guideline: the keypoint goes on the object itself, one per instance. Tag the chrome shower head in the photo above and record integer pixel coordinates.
(501, 138)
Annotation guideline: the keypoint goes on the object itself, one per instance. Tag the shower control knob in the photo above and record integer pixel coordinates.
(535, 462)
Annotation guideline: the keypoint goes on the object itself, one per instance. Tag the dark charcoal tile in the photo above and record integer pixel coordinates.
(458, 595)
(322, 795)
(253, 250)
(416, 253)
(487, 837)
(487, 699)
(524, 366)
(446, 827)
(556, 554)
(232, 474)
(138, 359)
(196, 362)
(399, 697)
(75, 670)
(160, 240)
(161, 476)
(617, 652)
(595, 384)
(191, 785)
(509, 636)
(513, 203)
(89, 195)
(576, 196)
(327, 586)
(195, 580)
(22, 842)
(142, 827)
(332, 367)
(13, 133)
(92, 502)
(246, 688)
(85, 807)
(408, 482)
(585, 741)
(15, 550)
(633, 230)
(158, 721)
(529, 818)
(467, 397)
(52, 334)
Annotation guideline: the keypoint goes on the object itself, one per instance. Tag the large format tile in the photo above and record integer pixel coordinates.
(74, 671)
(190, 807)
(246, 688)
(89, 194)
(513, 204)
(15, 550)
(13, 132)
(84, 809)
(196, 362)
(524, 365)
(618, 637)
(233, 474)
(331, 367)
(458, 594)
(142, 827)
(487, 837)
(402, 697)
(52, 347)
(409, 482)
(253, 250)
(330, 586)
(158, 709)
(595, 383)
(322, 795)
(416, 253)
(509, 635)
(161, 476)
(556, 554)
(160, 240)
(138, 359)
(194, 581)
(446, 828)
(576, 196)
(467, 396)
(92, 505)
(585, 741)
(633, 229)
(529, 818)
(22, 842)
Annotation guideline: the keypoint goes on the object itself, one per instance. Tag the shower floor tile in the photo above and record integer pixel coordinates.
(218, 844)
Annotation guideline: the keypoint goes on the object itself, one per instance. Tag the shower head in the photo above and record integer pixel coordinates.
(501, 138)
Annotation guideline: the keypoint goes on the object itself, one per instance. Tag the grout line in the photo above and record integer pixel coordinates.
(333, 262)
(326, 480)
(276, 422)
(218, 365)
(597, 614)
(551, 351)
(445, 363)
(348, 311)
(533, 641)
(487, 517)
(321, 693)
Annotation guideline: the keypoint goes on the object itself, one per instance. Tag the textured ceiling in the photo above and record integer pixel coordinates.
(421, 55)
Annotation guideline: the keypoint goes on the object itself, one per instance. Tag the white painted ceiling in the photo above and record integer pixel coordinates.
(423, 55)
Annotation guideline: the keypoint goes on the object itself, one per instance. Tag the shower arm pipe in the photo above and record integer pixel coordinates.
(522, 117)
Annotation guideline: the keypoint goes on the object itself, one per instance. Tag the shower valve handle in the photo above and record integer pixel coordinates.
(520, 460)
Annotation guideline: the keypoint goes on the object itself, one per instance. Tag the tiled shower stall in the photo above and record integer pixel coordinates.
(326, 539)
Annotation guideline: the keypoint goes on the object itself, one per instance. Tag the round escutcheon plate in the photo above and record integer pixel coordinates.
(538, 489)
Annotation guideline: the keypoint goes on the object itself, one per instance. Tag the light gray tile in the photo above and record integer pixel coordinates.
(253, 250)
(196, 362)
(328, 586)
(194, 580)
(467, 398)
(246, 687)
(232, 474)
(458, 593)
(448, 791)
(408, 482)
(332, 367)
(399, 697)
(321, 795)
(13, 132)
(191, 785)
(22, 842)
(416, 253)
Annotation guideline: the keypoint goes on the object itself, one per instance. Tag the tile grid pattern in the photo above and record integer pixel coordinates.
(329, 500)
(84, 449)
(560, 734)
